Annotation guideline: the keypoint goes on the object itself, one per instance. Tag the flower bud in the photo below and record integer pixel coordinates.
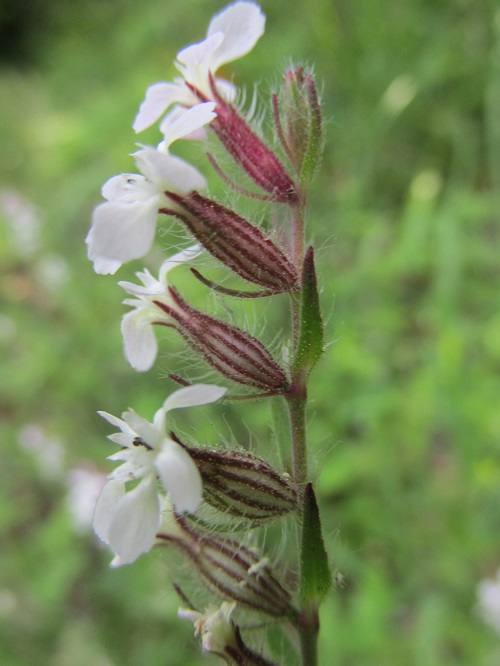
(232, 570)
(300, 125)
(232, 352)
(243, 485)
(241, 246)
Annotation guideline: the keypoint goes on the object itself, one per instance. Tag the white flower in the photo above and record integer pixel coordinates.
(488, 592)
(231, 34)
(128, 521)
(215, 627)
(123, 227)
(139, 340)
(84, 485)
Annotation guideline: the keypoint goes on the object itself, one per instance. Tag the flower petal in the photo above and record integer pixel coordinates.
(150, 285)
(189, 121)
(144, 429)
(195, 61)
(139, 341)
(120, 232)
(159, 97)
(169, 119)
(242, 23)
(128, 187)
(180, 476)
(182, 257)
(168, 172)
(122, 439)
(109, 497)
(191, 396)
(126, 453)
(135, 521)
(104, 266)
(127, 471)
(114, 420)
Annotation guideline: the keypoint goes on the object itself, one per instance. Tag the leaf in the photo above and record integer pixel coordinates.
(310, 345)
(315, 573)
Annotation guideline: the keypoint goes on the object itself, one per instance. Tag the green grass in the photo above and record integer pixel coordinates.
(404, 414)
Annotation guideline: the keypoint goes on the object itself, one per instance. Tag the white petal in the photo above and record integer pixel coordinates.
(135, 521)
(195, 61)
(121, 231)
(184, 177)
(191, 396)
(155, 165)
(150, 285)
(193, 616)
(128, 471)
(159, 97)
(119, 423)
(146, 430)
(242, 23)
(148, 280)
(139, 341)
(168, 172)
(122, 439)
(182, 257)
(109, 497)
(199, 134)
(189, 121)
(104, 266)
(128, 187)
(124, 454)
(180, 476)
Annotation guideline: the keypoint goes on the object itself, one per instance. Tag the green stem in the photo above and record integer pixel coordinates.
(298, 235)
(296, 302)
(297, 397)
(297, 409)
(308, 622)
(308, 632)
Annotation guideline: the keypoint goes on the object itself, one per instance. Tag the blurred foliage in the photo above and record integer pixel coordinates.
(405, 418)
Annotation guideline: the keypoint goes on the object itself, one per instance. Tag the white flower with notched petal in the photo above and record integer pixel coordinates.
(139, 340)
(128, 520)
(123, 227)
(231, 34)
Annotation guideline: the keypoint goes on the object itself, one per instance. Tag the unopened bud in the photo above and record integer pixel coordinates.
(232, 352)
(301, 122)
(243, 485)
(241, 246)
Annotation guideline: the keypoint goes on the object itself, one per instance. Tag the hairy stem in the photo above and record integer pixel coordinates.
(298, 235)
(308, 632)
(297, 411)
(308, 621)
(297, 397)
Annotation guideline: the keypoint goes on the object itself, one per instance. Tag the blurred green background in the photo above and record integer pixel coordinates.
(405, 408)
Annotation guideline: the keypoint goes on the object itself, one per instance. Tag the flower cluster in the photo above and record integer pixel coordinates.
(152, 497)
